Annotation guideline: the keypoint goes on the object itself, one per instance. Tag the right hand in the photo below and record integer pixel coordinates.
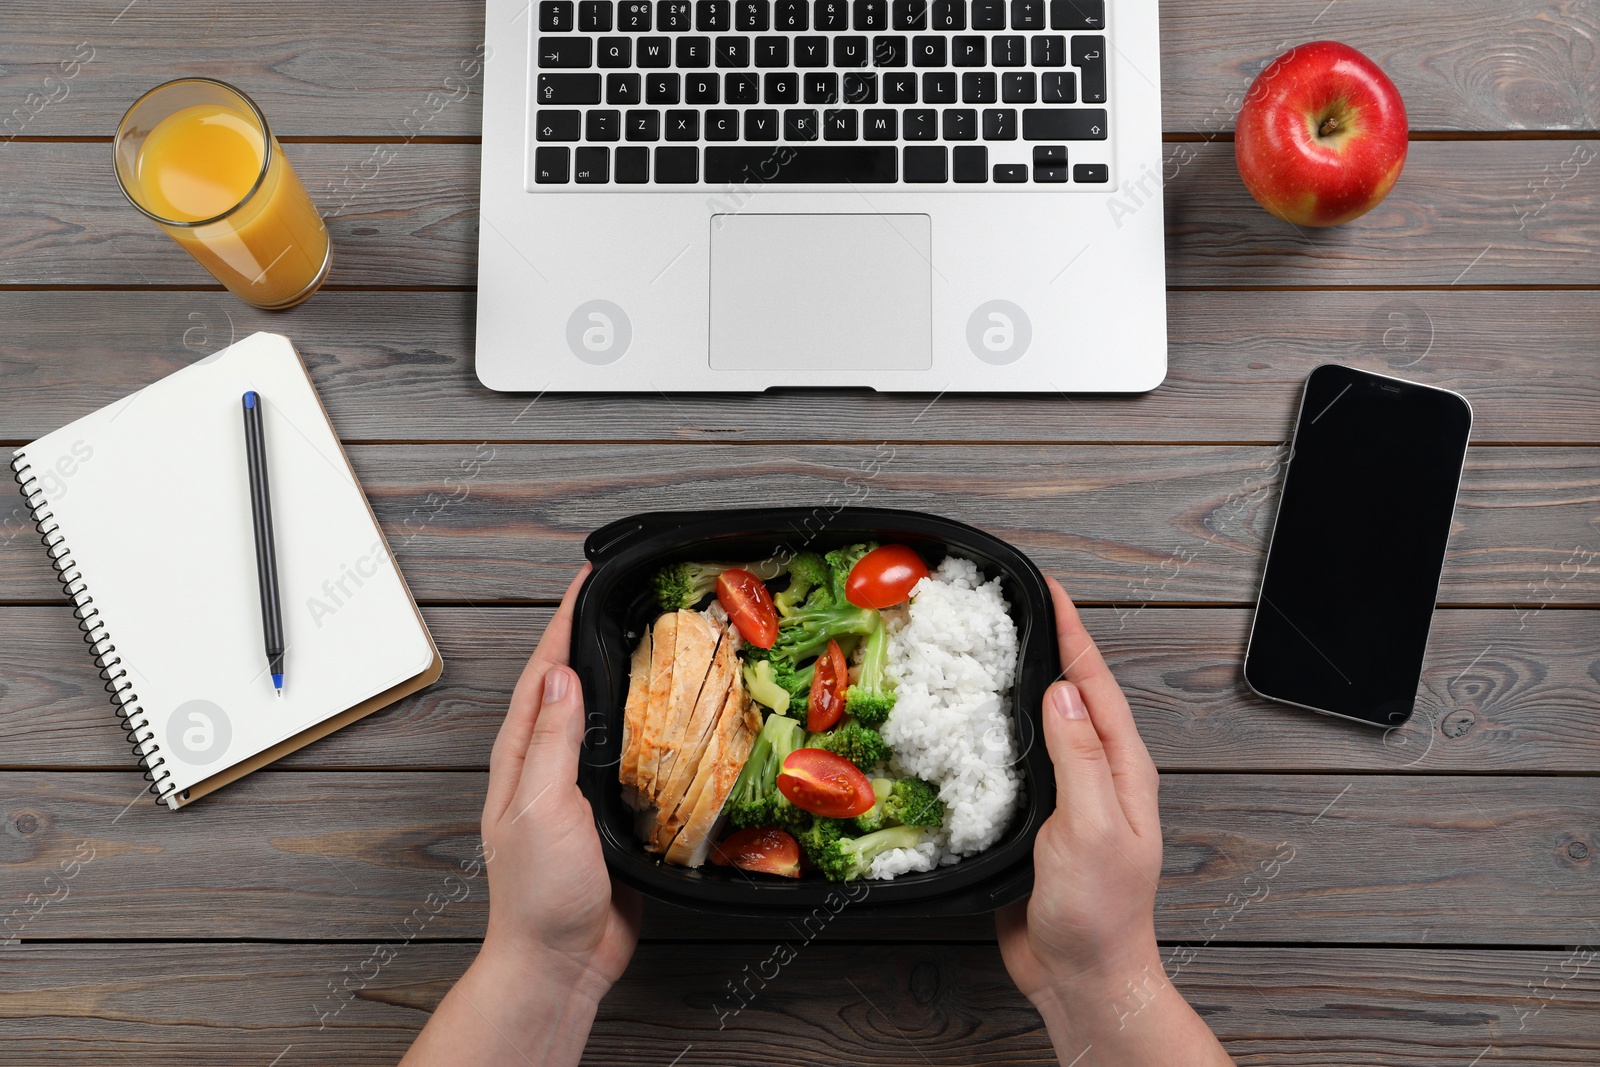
(1089, 927)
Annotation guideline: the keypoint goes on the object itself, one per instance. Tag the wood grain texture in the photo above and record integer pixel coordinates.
(399, 366)
(324, 855)
(1116, 523)
(320, 70)
(1473, 213)
(1503, 692)
(869, 1004)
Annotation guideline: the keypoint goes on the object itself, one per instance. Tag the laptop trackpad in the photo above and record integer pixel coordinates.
(821, 292)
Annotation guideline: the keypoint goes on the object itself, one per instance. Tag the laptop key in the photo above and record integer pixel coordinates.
(839, 124)
(831, 15)
(1010, 50)
(555, 16)
(939, 88)
(796, 164)
(712, 16)
(1077, 14)
(672, 15)
(969, 51)
(782, 89)
(860, 88)
(799, 124)
(792, 15)
(655, 52)
(969, 163)
(870, 15)
(1049, 50)
(822, 88)
(888, 51)
(1018, 87)
(616, 52)
(1010, 172)
(557, 125)
(694, 52)
(752, 16)
(1089, 56)
(1058, 87)
(1027, 14)
(921, 124)
(633, 165)
(661, 88)
(677, 166)
(594, 16)
(760, 124)
(602, 126)
(722, 124)
(988, 14)
(623, 88)
(811, 51)
(1049, 153)
(927, 52)
(849, 51)
(589, 165)
(742, 89)
(978, 87)
(643, 125)
(772, 51)
(568, 89)
(1064, 124)
(999, 124)
(1050, 173)
(925, 163)
(1091, 172)
(910, 14)
(565, 51)
(700, 88)
(683, 125)
(550, 165)
(880, 124)
(634, 17)
(960, 124)
(899, 88)
(733, 51)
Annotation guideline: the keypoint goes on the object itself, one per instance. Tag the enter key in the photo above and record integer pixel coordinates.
(1089, 56)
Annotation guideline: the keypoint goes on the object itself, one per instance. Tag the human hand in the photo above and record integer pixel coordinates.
(552, 906)
(1083, 948)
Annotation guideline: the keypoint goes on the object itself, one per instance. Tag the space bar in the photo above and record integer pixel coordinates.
(788, 164)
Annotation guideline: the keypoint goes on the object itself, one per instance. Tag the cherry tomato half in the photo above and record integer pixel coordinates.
(825, 784)
(828, 684)
(749, 605)
(884, 577)
(765, 849)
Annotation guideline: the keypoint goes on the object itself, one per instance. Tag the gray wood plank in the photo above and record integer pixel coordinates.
(1116, 523)
(320, 69)
(870, 1004)
(394, 366)
(1502, 692)
(324, 855)
(415, 221)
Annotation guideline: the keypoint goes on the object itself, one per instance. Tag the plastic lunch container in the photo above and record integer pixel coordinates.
(615, 606)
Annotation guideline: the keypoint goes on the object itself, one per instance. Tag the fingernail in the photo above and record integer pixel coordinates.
(555, 685)
(1066, 701)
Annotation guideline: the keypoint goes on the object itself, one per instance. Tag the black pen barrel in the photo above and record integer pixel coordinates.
(261, 515)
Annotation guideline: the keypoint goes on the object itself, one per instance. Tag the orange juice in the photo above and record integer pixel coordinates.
(215, 179)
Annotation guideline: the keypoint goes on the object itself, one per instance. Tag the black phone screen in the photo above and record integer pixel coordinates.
(1353, 569)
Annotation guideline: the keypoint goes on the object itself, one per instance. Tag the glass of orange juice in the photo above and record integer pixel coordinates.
(196, 156)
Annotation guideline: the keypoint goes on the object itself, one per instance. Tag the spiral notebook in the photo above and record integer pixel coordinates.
(144, 508)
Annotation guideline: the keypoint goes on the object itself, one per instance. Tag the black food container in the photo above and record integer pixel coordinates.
(615, 607)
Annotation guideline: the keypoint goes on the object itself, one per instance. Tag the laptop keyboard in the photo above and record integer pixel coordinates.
(674, 93)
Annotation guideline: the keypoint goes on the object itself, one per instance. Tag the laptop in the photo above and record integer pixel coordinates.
(902, 195)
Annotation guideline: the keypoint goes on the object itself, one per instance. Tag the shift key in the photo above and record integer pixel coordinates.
(572, 89)
(1064, 124)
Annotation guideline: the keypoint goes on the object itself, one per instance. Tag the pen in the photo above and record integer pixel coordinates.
(255, 444)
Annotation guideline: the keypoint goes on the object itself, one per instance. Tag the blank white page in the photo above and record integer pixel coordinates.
(153, 499)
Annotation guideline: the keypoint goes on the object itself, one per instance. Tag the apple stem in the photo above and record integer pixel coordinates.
(1329, 124)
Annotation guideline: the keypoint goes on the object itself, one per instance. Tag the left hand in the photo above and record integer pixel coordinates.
(551, 901)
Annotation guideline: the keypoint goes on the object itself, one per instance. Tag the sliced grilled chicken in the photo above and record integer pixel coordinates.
(663, 643)
(675, 733)
(632, 721)
(691, 662)
(719, 769)
(695, 739)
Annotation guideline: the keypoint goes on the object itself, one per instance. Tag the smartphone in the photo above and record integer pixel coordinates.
(1353, 568)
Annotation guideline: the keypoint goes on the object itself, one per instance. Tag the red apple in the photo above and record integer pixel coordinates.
(1322, 135)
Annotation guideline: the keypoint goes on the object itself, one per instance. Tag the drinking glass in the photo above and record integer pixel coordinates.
(196, 156)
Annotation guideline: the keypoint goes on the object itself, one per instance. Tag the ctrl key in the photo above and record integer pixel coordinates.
(550, 166)
(592, 166)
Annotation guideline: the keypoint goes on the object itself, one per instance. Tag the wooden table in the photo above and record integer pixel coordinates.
(1442, 874)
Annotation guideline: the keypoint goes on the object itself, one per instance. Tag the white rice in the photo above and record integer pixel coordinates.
(953, 657)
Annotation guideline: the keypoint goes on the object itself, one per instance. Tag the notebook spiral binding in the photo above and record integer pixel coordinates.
(135, 726)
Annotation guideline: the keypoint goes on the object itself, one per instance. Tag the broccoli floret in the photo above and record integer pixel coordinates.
(808, 630)
(913, 802)
(841, 561)
(761, 683)
(870, 699)
(681, 586)
(750, 802)
(861, 745)
(871, 821)
(843, 859)
(807, 571)
(815, 838)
